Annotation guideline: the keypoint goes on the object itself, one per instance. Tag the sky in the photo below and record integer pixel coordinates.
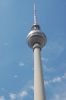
(16, 58)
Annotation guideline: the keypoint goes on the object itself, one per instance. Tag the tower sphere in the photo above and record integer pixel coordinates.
(35, 36)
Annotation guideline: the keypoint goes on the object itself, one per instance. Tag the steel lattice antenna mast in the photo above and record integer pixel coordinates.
(36, 40)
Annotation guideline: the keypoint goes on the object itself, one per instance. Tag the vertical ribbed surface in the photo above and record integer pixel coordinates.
(39, 91)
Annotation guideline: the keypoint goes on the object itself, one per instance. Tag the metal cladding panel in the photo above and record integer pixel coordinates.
(36, 37)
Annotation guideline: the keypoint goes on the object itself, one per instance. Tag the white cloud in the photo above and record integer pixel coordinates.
(3, 89)
(12, 96)
(64, 76)
(6, 44)
(44, 59)
(46, 82)
(55, 80)
(15, 76)
(49, 69)
(55, 48)
(32, 88)
(2, 98)
(21, 64)
(23, 94)
(19, 96)
(60, 96)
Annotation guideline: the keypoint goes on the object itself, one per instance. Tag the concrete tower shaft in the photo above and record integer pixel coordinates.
(39, 89)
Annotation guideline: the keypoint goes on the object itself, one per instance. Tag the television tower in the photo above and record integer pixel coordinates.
(36, 40)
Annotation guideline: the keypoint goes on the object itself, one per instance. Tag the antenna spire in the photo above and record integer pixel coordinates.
(35, 17)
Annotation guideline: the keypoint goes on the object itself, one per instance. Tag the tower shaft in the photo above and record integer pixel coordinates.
(39, 90)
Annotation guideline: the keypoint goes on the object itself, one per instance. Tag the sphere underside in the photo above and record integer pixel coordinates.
(36, 37)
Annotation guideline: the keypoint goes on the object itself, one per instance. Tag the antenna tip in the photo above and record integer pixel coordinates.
(35, 18)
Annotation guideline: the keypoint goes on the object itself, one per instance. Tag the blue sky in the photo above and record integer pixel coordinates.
(16, 58)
